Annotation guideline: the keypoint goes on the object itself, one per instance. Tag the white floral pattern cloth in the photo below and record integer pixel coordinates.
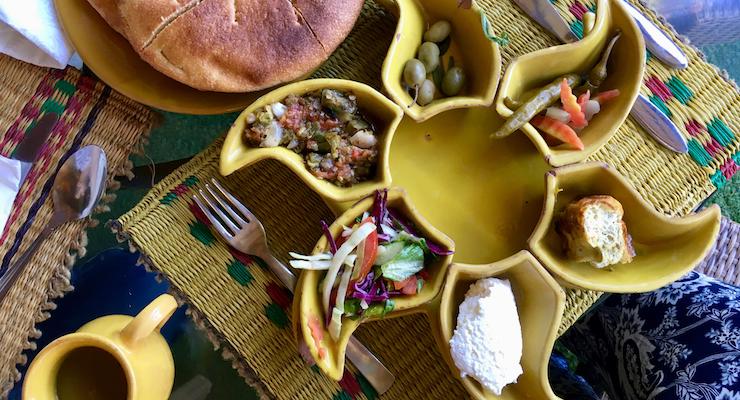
(679, 342)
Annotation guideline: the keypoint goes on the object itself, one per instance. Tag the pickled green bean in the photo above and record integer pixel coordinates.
(534, 105)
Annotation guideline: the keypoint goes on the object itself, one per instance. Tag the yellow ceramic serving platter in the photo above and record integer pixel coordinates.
(495, 199)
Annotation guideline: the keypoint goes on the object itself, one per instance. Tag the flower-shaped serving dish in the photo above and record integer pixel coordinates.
(625, 70)
(307, 304)
(540, 303)
(386, 116)
(478, 56)
(666, 248)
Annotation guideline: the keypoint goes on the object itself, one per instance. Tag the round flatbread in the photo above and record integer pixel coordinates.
(232, 45)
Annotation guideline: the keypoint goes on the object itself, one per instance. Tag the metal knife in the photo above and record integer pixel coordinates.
(30, 147)
(657, 124)
(659, 44)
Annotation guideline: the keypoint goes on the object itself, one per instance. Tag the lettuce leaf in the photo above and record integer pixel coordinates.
(407, 262)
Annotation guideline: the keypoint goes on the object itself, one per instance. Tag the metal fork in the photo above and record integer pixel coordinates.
(244, 232)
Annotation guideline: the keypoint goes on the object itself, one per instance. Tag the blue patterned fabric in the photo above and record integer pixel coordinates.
(679, 342)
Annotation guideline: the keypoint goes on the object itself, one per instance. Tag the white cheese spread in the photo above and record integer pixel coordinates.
(487, 343)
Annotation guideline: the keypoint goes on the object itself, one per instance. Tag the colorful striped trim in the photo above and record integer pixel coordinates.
(180, 190)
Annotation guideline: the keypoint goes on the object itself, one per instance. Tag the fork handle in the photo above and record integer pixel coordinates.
(283, 273)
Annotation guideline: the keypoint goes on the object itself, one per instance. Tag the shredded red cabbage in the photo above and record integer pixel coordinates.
(406, 225)
(329, 237)
(371, 290)
(365, 285)
(380, 211)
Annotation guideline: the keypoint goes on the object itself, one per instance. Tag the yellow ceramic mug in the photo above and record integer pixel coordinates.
(113, 357)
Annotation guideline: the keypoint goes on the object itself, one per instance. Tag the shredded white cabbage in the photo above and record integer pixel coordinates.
(319, 264)
(336, 326)
(315, 257)
(336, 262)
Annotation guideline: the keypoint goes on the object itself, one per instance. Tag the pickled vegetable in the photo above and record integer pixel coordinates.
(429, 56)
(544, 98)
(426, 93)
(558, 130)
(598, 73)
(570, 104)
(414, 73)
(453, 81)
(438, 32)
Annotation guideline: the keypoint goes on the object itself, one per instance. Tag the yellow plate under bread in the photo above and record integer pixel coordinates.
(110, 56)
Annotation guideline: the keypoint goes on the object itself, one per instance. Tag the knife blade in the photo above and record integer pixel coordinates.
(30, 147)
(659, 44)
(657, 124)
(548, 17)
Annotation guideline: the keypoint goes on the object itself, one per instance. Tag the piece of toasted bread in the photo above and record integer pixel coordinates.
(593, 232)
(232, 45)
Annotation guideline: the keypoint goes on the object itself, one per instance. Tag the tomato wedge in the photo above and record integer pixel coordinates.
(367, 252)
(407, 286)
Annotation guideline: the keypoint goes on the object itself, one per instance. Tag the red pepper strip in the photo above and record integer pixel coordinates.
(570, 105)
(557, 129)
(369, 253)
(603, 97)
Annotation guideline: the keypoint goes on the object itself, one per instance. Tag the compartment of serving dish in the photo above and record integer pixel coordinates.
(479, 56)
(539, 316)
(625, 69)
(236, 154)
(666, 248)
(307, 306)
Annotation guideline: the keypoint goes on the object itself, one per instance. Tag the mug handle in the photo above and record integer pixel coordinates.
(149, 320)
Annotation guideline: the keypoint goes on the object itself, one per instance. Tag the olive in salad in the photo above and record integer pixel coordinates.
(337, 142)
(380, 258)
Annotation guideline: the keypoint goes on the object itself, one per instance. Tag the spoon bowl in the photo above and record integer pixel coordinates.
(79, 184)
(78, 187)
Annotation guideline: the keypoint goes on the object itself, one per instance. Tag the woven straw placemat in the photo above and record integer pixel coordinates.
(242, 308)
(90, 113)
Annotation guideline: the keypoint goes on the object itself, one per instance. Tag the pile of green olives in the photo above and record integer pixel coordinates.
(417, 73)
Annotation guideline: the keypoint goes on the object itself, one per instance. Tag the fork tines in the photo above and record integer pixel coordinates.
(231, 215)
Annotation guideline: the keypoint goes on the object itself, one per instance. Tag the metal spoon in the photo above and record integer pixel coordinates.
(78, 186)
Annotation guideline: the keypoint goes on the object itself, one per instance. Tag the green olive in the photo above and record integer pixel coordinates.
(438, 32)
(426, 92)
(414, 72)
(453, 81)
(429, 55)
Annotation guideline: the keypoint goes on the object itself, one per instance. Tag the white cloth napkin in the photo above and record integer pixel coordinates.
(30, 31)
(10, 183)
